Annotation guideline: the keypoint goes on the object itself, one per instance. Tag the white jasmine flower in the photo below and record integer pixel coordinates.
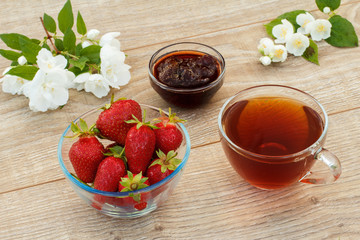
(278, 53)
(94, 83)
(12, 84)
(283, 31)
(319, 29)
(110, 39)
(70, 76)
(80, 80)
(47, 91)
(113, 67)
(265, 46)
(92, 34)
(85, 44)
(47, 62)
(326, 10)
(22, 60)
(303, 19)
(297, 44)
(265, 60)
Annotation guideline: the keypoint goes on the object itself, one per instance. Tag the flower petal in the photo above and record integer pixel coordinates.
(109, 38)
(282, 31)
(319, 29)
(278, 53)
(92, 34)
(97, 85)
(265, 60)
(13, 84)
(265, 45)
(297, 44)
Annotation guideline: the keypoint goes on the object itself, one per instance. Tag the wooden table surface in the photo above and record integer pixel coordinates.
(211, 200)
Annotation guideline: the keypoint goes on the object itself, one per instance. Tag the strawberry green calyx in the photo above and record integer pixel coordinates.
(108, 105)
(118, 152)
(167, 162)
(132, 183)
(141, 123)
(82, 130)
(170, 118)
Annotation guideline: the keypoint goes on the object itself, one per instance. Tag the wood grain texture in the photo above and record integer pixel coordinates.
(208, 203)
(211, 201)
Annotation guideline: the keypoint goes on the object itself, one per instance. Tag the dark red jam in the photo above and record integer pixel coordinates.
(187, 69)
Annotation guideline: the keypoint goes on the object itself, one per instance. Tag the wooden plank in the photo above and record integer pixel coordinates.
(34, 136)
(211, 201)
(146, 22)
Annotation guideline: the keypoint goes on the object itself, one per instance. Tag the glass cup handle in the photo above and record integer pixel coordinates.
(333, 172)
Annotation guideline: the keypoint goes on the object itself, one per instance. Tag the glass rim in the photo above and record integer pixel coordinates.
(186, 90)
(279, 157)
(89, 189)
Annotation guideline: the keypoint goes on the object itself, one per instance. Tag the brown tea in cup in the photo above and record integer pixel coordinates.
(272, 135)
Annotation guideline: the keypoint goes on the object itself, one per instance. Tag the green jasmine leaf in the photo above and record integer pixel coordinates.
(27, 72)
(291, 17)
(78, 49)
(92, 52)
(332, 4)
(66, 17)
(11, 55)
(46, 46)
(311, 53)
(14, 63)
(29, 49)
(59, 44)
(49, 23)
(270, 26)
(12, 40)
(36, 41)
(79, 63)
(342, 33)
(80, 24)
(69, 40)
(78, 71)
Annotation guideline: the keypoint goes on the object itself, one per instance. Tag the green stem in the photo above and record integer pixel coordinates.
(331, 14)
(94, 68)
(49, 36)
(70, 55)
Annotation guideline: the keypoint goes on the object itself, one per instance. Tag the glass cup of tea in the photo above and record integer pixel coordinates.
(273, 135)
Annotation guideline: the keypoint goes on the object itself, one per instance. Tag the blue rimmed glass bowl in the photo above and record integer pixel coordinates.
(122, 204)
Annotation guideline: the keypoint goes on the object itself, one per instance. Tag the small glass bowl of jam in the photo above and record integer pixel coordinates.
(186, 74)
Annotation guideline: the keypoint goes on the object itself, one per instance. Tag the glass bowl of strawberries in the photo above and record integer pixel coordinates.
(124, 159)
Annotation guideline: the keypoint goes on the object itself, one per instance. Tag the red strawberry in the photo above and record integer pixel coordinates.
(86, 153)
(168, 136)
(131, 183)
(162, 167)
(140, 206)
(110, 171)
(139, 146)
(111, 122)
